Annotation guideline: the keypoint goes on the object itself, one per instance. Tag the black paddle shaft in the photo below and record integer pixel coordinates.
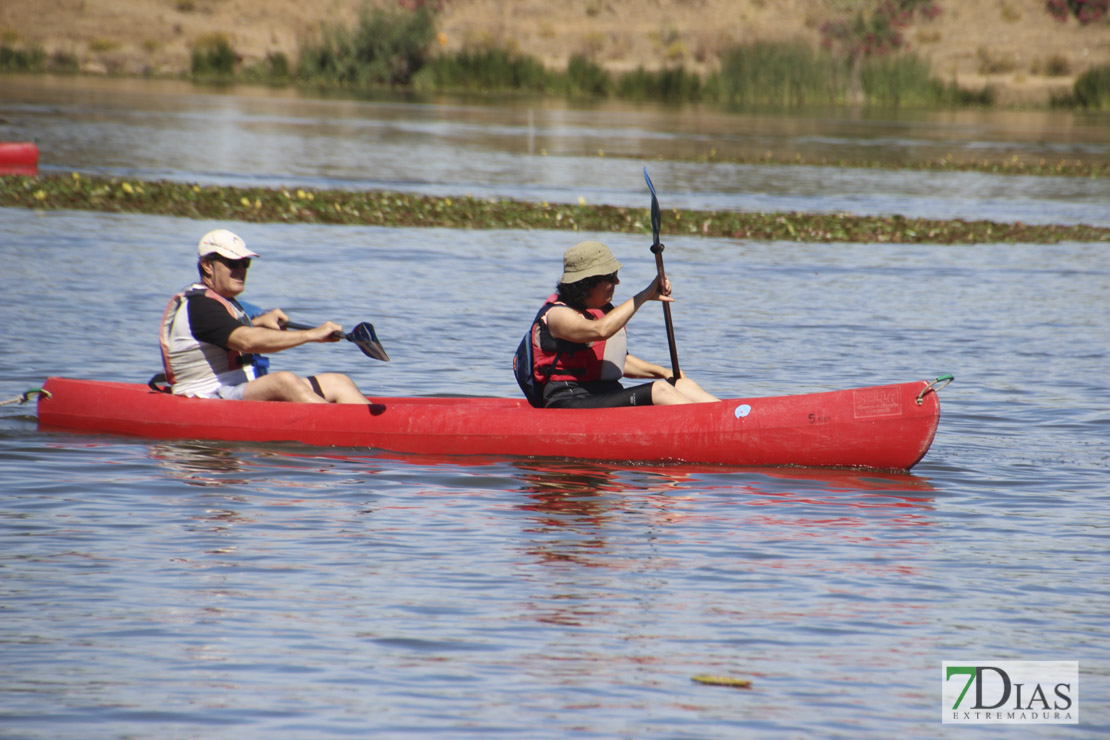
(657, 249)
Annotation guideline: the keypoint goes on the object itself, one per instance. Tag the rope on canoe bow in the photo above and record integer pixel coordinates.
(26, 396)
(935, 386)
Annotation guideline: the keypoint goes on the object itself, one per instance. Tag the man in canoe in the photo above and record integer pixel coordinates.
(579, 343)
(211, 347)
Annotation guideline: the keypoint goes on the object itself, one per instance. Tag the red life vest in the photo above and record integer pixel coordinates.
(568, 361)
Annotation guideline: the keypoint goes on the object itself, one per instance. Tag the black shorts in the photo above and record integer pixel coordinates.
(560, 394)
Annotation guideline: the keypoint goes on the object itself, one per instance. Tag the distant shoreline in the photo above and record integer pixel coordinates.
(1016, 49)
(1003, 163)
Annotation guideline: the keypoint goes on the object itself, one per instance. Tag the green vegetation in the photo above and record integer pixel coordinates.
(779, 74)
(387, 47)
(1012, 166)
(213, 57)
(13, 58)
(273, 70)
(794, 74)
(756, 74)
(861, 32)
(405, 210)
(587, 78)
(1092, 88)
(99, 45)
(671, 85)
(906, 80)
(487, 70)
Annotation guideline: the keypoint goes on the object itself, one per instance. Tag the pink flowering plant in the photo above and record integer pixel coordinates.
(878, 31)
(1085, 11)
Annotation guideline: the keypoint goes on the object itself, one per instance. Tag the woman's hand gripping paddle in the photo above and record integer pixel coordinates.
(657, 250)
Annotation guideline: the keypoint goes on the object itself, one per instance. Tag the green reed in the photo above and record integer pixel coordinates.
(794, 74)
(905, 80)
(668, 85)
(778, 74)
(485, 70)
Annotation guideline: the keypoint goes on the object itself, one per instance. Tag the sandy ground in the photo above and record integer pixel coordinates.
(1011, 44)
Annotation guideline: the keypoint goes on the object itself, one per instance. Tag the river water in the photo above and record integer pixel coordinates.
(155, 589)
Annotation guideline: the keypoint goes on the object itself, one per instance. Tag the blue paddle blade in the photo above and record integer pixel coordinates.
(366, 339)
(656, 216)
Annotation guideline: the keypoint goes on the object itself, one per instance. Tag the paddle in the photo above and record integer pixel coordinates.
(362, 335)
(657, 250)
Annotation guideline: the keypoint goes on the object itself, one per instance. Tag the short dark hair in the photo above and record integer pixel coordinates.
(575, 294)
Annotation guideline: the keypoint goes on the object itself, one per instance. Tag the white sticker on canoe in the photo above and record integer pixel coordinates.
(742, 410)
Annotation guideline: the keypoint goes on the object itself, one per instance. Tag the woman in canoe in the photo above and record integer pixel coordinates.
(579, 343)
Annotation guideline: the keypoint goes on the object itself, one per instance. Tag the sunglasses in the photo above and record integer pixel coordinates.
(245, 263)
(611, 278)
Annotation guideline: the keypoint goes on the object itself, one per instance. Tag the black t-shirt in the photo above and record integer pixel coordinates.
(209, 320)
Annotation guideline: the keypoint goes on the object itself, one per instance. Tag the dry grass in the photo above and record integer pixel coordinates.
(619, 34)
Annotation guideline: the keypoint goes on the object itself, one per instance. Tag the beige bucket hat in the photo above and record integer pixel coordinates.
(587, 259)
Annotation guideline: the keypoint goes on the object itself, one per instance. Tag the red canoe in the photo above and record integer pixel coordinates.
(886, 427)
(19, 158)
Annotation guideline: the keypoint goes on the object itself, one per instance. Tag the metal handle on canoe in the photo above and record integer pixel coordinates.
(933, 387)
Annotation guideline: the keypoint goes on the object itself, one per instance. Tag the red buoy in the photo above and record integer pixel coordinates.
(19, 158)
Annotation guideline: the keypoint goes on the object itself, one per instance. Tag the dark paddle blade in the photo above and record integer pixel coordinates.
(656, 216)
(362, 335)
(366, 338)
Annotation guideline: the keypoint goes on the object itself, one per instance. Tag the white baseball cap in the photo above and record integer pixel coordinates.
(225, 244)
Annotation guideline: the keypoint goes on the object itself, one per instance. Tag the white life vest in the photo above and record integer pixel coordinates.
(197, 368)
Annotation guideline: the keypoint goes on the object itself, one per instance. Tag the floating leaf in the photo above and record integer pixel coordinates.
(733, 683)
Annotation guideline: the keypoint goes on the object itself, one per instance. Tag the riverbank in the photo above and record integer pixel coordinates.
(382, 208)
(1016, 49)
